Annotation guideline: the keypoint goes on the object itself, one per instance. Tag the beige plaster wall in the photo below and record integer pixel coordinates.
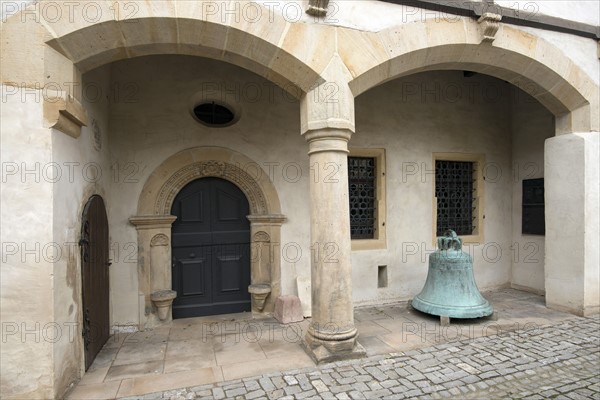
(532, 124)
(413, 117)
(26, 275)
(156, 123)
(85, 171)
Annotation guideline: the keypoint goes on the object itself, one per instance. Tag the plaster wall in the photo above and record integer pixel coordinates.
(26, 275)
(84, 171)
(582, 11)
(532, 124)
(156, 122)
(412, 118)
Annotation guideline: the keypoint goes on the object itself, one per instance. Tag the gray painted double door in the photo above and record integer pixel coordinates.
(210, 249)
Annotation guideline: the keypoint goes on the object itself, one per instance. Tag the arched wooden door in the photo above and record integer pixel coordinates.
(210, 249)
(94, 272)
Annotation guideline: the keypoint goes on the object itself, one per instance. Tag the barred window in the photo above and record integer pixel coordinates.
(456, 197)
(362, 194)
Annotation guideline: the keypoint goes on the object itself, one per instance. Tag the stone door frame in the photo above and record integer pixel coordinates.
(153, 221)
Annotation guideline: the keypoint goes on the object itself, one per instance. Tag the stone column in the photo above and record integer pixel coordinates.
(571, 206)
(327, 125)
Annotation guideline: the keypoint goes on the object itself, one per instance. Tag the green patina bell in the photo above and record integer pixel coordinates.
(450, 289)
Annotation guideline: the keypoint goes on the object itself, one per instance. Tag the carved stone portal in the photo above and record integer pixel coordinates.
(154, 224)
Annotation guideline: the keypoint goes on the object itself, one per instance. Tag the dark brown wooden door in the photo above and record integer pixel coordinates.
(211, 249)
(95, 289)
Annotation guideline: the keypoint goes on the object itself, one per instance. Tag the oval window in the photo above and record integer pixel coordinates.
(214, 114)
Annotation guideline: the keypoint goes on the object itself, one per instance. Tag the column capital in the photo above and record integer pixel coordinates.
(328, 139)
(152, 221)
(330, 105)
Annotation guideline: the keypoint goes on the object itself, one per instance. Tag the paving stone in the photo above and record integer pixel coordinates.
(306, 394)
(235, 392)
(340, 388)
(266, 384)
(252, 385)
(356, 395)
(290, 380)
(290, 390)
(320, 386)
(275, 394)
(255, 394)
(218, 393)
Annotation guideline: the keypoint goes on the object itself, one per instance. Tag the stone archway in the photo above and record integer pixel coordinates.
(153, 221)
(520, 58)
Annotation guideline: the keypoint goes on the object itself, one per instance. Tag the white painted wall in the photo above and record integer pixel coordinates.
(532, 124)
(26, 275)
(586, 11)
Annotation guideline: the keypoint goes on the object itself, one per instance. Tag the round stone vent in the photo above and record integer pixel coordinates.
(214, 114)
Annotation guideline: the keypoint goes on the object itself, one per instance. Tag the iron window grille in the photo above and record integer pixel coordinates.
(456, 197)
(362, 192)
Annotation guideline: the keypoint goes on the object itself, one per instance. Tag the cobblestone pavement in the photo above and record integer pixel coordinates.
(559, 361)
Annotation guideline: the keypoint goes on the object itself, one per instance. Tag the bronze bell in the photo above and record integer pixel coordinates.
(450, 289)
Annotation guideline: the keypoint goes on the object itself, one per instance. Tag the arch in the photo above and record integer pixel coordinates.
(255, 39)
(188, 165)
(521, 58)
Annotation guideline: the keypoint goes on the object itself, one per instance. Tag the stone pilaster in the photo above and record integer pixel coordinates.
(154, 261)
(327, 125)
(265, 260)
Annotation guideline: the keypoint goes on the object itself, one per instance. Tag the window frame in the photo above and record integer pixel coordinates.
(379, 239)
(478, 188)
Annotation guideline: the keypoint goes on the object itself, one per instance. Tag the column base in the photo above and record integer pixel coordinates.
(321, 355)
(325, 346)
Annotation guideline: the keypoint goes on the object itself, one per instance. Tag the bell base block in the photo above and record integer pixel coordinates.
(476, 311)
